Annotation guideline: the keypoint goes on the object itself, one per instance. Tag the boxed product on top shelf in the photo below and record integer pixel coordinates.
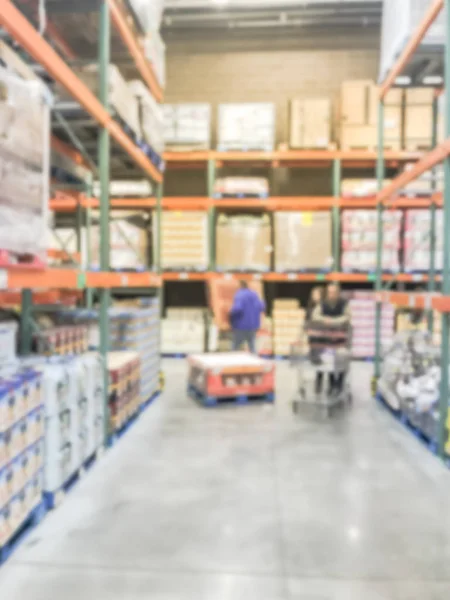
(124, 394)
(241, 186)
(184, 240)
(359, 240)
(303, 241)
(243, 243)
(150, 116)
(184, 331)
(24, 166)
(360, 188)
(187, 126)
(310, 123)
(148, 13)
(155, 52)
(410, 382)
(121, 97)
(417, 240)
(363, 309)
(400, 21)
(418, 118)
(21, 447)
(248, 126)
(288, 326)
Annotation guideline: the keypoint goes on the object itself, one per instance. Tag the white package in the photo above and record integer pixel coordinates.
(248, 126)
(187, 125)
(148, 13)
(150, 116)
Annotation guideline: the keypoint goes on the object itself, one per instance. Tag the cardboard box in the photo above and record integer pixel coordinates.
(184, 241)
(310, 122)
(243, 243)
(302, 241)
(358, 102)
(248, 126)
(355, 137)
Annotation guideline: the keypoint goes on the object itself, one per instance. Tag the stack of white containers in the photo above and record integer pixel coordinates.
(184, 331)
(150, 116)
(249, 126)
(359, 240)
(187, 126)
(362, 309)
(417, 240)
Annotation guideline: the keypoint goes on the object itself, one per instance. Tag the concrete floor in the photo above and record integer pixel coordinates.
(248, 503)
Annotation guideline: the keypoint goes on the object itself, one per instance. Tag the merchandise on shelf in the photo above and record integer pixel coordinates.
(136, 328)
(246, 126)
(359, 240)
(221, 292)
(288, 325)
(417, 240)
(63, 340)
(21, 447)
(400, 21)
(187, 126)
(410, 382)
(24, 165)
(418, 118)
(150, 116)
(184, 331)
(184, 240)
(303, 241)
(121, 97)
(427, 184)
(360, 188)
(124, 395)
(243, 242)
(8, 342)
(148, 13)
(222, 341)
(363, 311)
(127, 188)
(242, 186)
(155, 52)
(310, 123)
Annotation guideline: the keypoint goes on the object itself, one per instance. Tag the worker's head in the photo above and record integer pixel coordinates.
(316, 295)
(243, 284)
(333, 292)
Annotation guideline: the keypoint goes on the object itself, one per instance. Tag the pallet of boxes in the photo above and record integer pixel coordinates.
(288, 327)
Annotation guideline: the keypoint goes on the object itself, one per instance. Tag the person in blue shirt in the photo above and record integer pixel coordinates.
(245, 317)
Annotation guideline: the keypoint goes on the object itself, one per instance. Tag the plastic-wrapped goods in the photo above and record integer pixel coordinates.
(241, 186)
(359, 240)
(155, 52)
(249, 126)
(8, 342)
(148, 13)
(184, 242)
(66, 340)
(427, 184)
(303, 241)
(400, 21)
(363, 309)
(243, 243)
(121, 97)
(417, 239)
(150, 116)
(187, 126)
(360, 188)
(184, 331)
(21, 447)
(288, 325)
(124, 396)
(24, 165)
(126, 188)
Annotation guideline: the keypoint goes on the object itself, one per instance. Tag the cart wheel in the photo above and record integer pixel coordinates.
(295, 406)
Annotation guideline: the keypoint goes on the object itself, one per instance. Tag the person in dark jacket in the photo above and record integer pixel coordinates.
(245, 317)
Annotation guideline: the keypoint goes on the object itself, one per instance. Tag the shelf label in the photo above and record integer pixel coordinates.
(417, 277)
(320, 277)
(3, 279)
(228, 276)
(292, 276)
(412, 302)
(124, 281)
(428, 303)
(184, 276)
(371, 277)
(257, 276)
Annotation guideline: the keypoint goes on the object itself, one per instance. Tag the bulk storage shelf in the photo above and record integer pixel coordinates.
(292, 277)
(440, 154)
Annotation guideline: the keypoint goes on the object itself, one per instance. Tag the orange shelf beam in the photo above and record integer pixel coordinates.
(116, 280)
(27, 36)
(63, 255)
(186, 203)
(135, 48)
(45, 279)
(415, 41)
(417, 300)
(68, 151)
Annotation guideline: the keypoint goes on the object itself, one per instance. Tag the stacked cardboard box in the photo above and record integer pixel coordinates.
(302, 241)
(246, 126)
(184, 242)
(124, 395)
(150, 116)
(359, 240)
(418, 118)
(63, 340)
(417, 240)
(362, 310)
(184, 331)
(241, 186)
(310, 123)
(187, 126)
(243, 243)
(288, 325)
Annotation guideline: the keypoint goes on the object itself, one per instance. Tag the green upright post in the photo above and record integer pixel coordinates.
(379, 270)
(212, 214)
(337, 170)
(104, 166)
(445, 355)
(88, 258)
(26, 325)
(432, 273)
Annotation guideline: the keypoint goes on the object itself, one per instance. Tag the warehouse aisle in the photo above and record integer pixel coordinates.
(247, 502)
